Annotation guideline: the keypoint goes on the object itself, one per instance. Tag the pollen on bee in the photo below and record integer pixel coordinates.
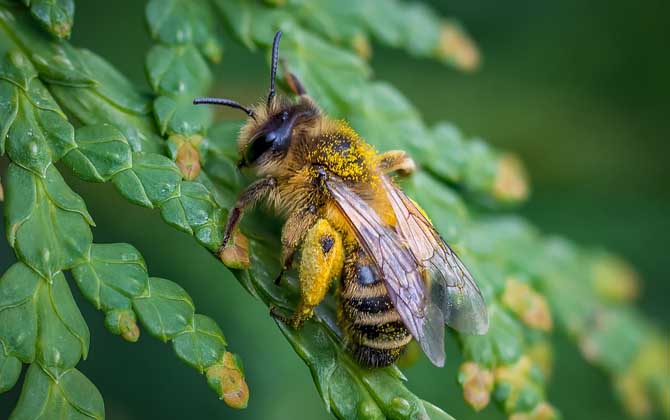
(344, 153)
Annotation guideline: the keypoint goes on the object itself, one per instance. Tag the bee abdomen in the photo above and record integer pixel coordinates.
(377, 336)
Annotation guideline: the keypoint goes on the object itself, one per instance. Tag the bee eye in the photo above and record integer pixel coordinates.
(276, 136)
(259, 146)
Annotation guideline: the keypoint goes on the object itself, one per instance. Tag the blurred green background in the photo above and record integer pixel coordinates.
(578, 89)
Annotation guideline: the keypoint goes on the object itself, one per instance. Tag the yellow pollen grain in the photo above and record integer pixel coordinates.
(355, 164)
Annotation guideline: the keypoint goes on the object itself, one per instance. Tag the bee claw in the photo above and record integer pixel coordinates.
(279, 278)
(274, 312)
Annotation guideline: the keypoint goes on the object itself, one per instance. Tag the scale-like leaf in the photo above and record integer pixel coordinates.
(113, 275)
(55, 15)
(52, 233)
(195, 211)
(102, 152)
(55, 393)
(184, 22)
(152, 179)
(40, 320)
(55, 61)
(18, 314)
(201, 345)
(10, 369)
(179, 116)
(177, 70)
(165, 309)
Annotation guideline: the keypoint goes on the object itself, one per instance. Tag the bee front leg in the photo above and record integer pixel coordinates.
(255, 192)
(396, 161)
(321, 259)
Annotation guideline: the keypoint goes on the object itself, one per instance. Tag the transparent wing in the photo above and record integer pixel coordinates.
(399, 269)
(451, 286)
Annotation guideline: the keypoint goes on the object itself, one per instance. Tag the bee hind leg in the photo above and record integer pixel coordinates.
(322, 256)
(396, 161)
(294, 231)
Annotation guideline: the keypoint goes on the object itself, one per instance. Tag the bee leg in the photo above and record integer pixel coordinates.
(293, 232)
(293, 82)
(247, 198)
(322, 256)
(396, 161)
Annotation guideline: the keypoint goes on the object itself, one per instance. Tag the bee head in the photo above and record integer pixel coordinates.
(266, 137)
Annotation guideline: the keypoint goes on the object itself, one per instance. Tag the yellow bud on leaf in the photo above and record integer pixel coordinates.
(361, 46)
(542, 411)
(227, 379)
(456, 47)
(124, 323)
(477, 383)
(614, 279)
(236, 253)
(188, 161)
(511, 182)
(527, 304)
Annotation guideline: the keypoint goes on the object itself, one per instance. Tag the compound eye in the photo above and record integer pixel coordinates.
(258, 146)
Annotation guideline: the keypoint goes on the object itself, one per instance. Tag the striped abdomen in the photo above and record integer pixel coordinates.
(376, 334)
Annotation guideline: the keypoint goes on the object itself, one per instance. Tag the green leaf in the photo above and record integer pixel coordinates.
(112, 100)
(55, 15)
(10, 369)
(387, 120)
(18, 316)
(63, 336)
(435, 413)
(63, 197)
(102, 152)
(331, 75)
(40, 319)
(9, 106)
(202, 345)
(184, 22)
(39, 133)
(177, 70)
(152, 180)
(343, 392)
(501, 345)
(165, 309)
(112, 277)
(195, 211)
(47, 223)
(179, 115)
(63, 394)
(56, 61)
(17, 69)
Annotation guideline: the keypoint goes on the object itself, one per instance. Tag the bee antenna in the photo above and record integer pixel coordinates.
(273, 68)
(224, 102)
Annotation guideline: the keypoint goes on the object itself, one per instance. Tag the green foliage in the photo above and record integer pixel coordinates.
(160, 152)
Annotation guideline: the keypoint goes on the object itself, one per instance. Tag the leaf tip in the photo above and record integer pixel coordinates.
(511, 182)
(123, 322)
(227, 379)
(236, 255)
(477, 383)
(456, 47)
(531, 307)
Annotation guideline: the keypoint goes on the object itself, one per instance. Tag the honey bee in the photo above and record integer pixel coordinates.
(398, 279)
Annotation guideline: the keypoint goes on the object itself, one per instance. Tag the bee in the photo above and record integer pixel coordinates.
(347, 218)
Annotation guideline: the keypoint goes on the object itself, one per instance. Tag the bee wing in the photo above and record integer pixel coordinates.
(398, 267)
(451, 286)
